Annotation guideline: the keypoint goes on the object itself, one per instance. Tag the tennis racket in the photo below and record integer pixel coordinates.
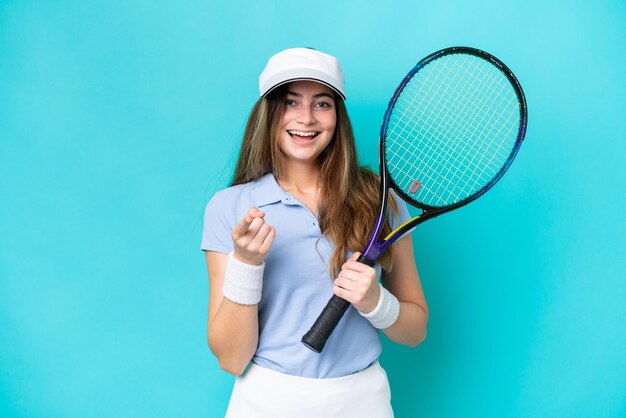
(451, 130)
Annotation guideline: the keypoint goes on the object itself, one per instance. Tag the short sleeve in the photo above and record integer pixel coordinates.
(216, 233)
(403, 212)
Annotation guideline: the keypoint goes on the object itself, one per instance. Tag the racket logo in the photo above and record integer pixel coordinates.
(415, 186)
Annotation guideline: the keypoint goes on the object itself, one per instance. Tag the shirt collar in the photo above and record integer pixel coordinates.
(267, 191)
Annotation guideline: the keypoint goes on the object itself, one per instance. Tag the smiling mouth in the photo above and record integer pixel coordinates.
(303, 135)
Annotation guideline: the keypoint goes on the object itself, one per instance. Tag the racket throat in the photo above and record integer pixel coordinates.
(371, 253)
(366, 260)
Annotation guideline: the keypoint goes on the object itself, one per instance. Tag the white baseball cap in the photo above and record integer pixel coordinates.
(301, 64)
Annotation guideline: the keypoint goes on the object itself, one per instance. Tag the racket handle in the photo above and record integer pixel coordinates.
(316, 338)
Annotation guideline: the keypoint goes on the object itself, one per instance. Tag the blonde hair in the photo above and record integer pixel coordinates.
(348, 202)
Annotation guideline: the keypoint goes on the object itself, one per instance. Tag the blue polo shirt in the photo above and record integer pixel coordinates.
(296, 282)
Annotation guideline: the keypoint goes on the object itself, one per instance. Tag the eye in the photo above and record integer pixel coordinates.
(290, 102)
(323, 105)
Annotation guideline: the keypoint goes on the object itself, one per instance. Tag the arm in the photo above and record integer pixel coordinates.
(232, 328)
(404, 283)
(358, 285)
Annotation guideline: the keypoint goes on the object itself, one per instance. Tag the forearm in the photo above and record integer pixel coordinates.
(410, 327)
(234, 335)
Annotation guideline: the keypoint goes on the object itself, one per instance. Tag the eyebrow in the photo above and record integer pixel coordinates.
(324, 94)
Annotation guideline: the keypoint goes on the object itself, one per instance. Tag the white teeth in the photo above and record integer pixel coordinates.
(302, 133)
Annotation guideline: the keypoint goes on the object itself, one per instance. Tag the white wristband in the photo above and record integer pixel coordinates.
(243, 282)
(386, 311)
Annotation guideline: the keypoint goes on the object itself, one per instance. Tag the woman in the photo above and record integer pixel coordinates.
(276, 245)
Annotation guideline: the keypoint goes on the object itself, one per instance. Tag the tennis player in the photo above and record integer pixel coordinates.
(282, 239)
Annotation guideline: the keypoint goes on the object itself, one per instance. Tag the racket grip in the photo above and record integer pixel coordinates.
(316, 338)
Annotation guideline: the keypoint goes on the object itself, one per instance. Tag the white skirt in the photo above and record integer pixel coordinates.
(265, 393)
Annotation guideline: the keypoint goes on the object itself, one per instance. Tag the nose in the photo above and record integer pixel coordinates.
(306, 116)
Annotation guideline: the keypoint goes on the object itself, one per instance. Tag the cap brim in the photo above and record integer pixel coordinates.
(282, 83)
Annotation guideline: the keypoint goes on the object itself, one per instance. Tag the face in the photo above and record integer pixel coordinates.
(308, 122)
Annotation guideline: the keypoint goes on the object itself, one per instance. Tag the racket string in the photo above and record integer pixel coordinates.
(444, 124)
(452, 77)
(475, 146)
(473, 126)
(415, 125)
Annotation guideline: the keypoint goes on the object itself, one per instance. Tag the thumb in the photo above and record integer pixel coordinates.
(355, 256)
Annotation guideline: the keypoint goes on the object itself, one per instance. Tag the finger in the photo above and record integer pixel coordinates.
(244, 224)
(351, 275)
(352, 258)
(267, 242)
(261, 234)
(343, 293)
(356, 266)
(345, 283)
(340, 283)
(251, 229)
(337, 290)
(254, 227)
(253, 213)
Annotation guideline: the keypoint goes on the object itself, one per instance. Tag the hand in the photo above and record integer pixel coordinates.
(253, 238)
(357, 283)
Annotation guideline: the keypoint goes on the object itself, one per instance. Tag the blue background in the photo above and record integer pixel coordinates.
(119, 119)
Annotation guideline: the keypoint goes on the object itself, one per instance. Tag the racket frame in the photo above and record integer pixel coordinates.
(375, 247)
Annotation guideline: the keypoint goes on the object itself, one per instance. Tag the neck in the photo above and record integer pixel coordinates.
(300, 177)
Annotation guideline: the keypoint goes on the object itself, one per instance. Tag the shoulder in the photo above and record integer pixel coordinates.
(229, 195)
(235, 195)
(223, 211)
(236, 200)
